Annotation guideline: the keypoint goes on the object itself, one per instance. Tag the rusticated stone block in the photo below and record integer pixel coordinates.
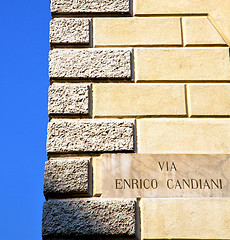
(90, 63)
(69, 30)
(69, 99)
(89, 6)
(90, 135)
(89, 218)
(69, 177)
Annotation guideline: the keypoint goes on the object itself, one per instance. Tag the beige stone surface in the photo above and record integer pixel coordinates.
(165, 175)
(209, 99)
(197, 64)
(147, 7)
(218, 10)
(97, 176)
(200, 31)
(138, 99)
(137, 31)
(199, 136)
(185, 218)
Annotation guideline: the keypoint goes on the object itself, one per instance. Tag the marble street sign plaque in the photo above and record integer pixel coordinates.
(165, 175)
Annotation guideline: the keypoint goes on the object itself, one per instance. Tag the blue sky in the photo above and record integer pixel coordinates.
(24, 29)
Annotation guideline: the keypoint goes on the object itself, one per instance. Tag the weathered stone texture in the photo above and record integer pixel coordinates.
(69, 30)
(90, 135)
(69, 99)
(90, 6)
(89, 217)
(90, 63)
(68, 177)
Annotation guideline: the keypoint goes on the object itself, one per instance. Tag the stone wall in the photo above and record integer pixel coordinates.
(141, 76)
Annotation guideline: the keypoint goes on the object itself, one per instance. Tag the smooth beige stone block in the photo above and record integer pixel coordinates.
(200, 31)
(138, 99)
(97, 176)
(197, 64)
(154, 7)
(201, 136)
(218, 10)
(209, 99)
(185, 218)
(137, 31)
(165, 175)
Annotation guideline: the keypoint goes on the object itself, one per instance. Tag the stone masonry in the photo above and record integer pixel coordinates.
(68, 176)
(69, 31)
(134, 76)
(89, 217)
(90, 63)
(69, 99)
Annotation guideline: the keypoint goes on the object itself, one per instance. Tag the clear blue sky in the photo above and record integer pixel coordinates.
(24, 29)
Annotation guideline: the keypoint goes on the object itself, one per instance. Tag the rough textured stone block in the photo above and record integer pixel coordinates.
(90, 135)
(185, 218)
(209, 100)
(138, 99)
(90, 63)
(218, 10)
(199, 136)
(137, 31)
(89, 6)
(68, 177)
(197, 64)
(69, 31)
(200, 31)
(69, 99)
(89, 218)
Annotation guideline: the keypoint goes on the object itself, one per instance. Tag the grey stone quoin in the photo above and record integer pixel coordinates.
(89, 6)
(70, 212)
(89, 217)
(69, 99)
(90, 64)
(67, 177)
(69, 31)
(90, 135)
